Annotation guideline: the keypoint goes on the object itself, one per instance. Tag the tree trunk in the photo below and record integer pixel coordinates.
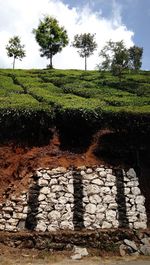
(85, 63)
(51, 61)
(14, 62)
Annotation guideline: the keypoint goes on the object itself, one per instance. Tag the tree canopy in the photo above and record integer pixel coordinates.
(135, 57)
(85, 44)
(51, 37)
(116, 57)
(15, 49)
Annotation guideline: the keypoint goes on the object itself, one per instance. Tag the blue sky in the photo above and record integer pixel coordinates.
(135, 15)
(126, 20)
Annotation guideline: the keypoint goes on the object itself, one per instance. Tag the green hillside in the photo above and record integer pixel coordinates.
(100, 100)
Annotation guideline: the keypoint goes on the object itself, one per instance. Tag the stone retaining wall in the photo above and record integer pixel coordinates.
(75, 199)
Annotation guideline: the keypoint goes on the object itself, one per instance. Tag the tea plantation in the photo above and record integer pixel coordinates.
(95, 99)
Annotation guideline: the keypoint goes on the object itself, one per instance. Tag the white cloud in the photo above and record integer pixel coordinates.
(20, 17)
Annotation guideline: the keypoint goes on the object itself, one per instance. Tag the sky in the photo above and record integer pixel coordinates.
(126, 20)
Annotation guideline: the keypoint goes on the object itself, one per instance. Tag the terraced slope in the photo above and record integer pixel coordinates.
(94, 97)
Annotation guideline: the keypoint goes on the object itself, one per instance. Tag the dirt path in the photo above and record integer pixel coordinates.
(48, 259)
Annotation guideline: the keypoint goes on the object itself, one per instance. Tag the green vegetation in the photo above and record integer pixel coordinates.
(15, 49)
(94, 98)
(51, 37)
(85, 44)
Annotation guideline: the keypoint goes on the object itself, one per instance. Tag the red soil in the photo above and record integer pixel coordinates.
(17, 163)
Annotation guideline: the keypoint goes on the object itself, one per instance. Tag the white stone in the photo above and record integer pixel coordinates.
(143, 217)
(70, 188)
(67, 216)
(68, 207)
(89, 170)
(126, 191)
(82, 251)
(53, 182)
(131, 173)
(59, 207)
(99, 169)
(90, 208)
(42, 182)
(114, 190)
(101, 208)
(41, 216)
(54, 216)
(88, 176)
(140, 200)
(87, 223)
(18, 208)
(105, 190)
(25, 209)
(102, 173)
(97, 182)
(109, 199)
(13, 222)
(82, 173)
(133, 183)
(110, 178)
(93, 189)
(140, 208)
(46, 176)
(108, 170)
(41, 227)
(9, 227)
(132, 218)
(113, 206)
(66, 225)
(100, 216)
(56, 188)
(110, 215)
(8, 209)
(39, 174)
(19, 216)
(106, 225)
(86, 199)
(140, 225)
(2, 227)
(95, 199)
(115, 223)
(62, 200)
(136, 191)
(45, 190)
(52, 228)
(41, 197)
(109, 184)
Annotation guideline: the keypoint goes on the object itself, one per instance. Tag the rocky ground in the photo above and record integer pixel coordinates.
(13, 257)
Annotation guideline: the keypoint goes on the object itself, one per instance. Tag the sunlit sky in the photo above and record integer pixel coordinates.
(126, 20)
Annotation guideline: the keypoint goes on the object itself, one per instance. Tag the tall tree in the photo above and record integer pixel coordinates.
(85, 44)
(51, 38)
(135, 57)
(15, 49)
(115, 57)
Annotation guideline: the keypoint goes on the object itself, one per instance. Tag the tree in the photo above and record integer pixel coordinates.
(135, 57)
(51, 37)
(115, 57)
(86, 45)
(15, 49)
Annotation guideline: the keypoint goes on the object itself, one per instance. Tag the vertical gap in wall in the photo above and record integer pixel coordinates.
(33, 204)
(120, 198)
(78, 213)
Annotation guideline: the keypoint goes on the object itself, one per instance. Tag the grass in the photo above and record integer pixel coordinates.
(75, 90)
